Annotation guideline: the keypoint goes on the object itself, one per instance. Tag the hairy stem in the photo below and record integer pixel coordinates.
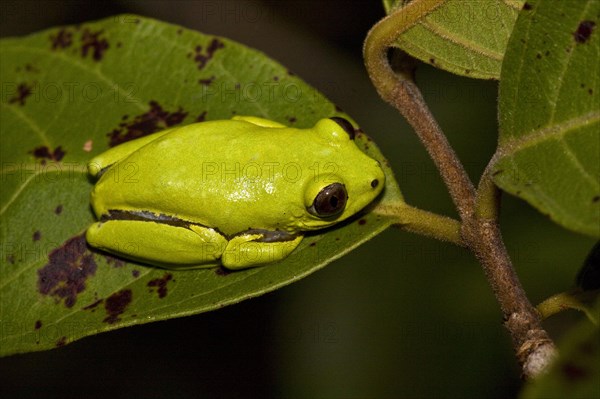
(405, 96)
(424, 223)
(576, 298)
(487, 201)
(478, 210)
(533, 347)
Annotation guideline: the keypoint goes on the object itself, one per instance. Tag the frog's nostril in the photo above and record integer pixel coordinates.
(374, 183)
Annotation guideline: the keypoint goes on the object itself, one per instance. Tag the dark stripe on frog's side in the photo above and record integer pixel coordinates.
(102, 171)
(267, 235)
(147, 216)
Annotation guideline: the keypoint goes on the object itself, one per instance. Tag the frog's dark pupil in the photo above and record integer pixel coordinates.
(330, 201)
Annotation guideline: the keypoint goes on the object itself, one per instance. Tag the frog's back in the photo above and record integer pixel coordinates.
(226, 173)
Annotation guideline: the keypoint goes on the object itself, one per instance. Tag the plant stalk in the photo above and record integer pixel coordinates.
(478, 210)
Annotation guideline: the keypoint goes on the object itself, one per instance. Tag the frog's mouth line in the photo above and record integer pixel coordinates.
(147, 216)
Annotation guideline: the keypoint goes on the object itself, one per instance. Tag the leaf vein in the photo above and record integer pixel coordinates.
(556, 131)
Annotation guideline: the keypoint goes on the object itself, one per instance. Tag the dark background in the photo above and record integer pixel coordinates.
(402, 316)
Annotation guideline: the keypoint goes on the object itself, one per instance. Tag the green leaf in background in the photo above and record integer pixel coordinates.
(576, 373)
(549, 146)
(465, 37)
(69, 93)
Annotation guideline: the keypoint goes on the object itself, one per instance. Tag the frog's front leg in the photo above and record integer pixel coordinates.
(165, 245)
(257, 247)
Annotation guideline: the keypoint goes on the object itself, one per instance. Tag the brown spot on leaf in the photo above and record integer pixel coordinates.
(222, 271)
(38, 325)
(43, 153)
(92, 43)
(92, 306)
(573, 372)
(58, 210)
(154, 120)
(67, 271)
(135, 273)
(113, 261)
(596, 199)
(527, 6)
(201, 117)
(62, 39)
(116, 304)
(61, 342)
(37, 235)
(292, 119)
(584, 31)
(23, 91)
(160, 284)
(206, 82)
(362, 222)
(312, 244)
(31, 68)
(202, 58)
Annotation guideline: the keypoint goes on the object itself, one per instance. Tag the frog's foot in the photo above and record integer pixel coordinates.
(257, 247)
(164, 245)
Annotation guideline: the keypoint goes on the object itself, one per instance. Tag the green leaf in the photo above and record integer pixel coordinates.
(465, 37)
(549, 147)
(575, 374)
(67, 94)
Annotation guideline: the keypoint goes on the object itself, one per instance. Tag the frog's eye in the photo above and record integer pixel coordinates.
(330, 201)
(347, 126)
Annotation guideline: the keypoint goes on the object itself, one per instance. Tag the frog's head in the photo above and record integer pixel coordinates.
(347, 179)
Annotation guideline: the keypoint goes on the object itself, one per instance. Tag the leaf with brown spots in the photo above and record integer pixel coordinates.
(109, 94)
(65, 276)
(152, 121)
(549, 111)
(116, 304)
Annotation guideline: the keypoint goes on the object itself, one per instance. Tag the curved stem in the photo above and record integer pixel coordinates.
(478, 211)
(404, 95)
(557, 303)
(573, 299)
(424, 223)
(383, 34)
